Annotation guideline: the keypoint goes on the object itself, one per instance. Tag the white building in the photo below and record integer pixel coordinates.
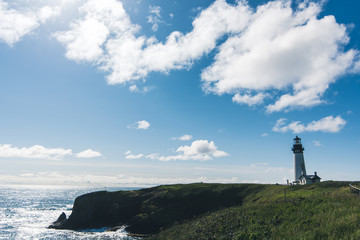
(300, 176)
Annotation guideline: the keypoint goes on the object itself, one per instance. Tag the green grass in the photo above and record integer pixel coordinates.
(319, 211)
(167, 204)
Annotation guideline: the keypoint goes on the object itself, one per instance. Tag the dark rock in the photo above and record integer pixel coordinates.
(59, 222)
(62, 217)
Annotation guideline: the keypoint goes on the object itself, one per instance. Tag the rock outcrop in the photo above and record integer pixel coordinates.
(59, 222)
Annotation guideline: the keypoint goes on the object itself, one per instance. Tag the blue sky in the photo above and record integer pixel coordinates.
(138, 93)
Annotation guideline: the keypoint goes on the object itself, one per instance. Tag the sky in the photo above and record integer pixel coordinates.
(148, 92)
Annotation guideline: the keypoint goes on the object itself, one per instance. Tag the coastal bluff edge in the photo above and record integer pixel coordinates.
(146, 211)
(222, 211)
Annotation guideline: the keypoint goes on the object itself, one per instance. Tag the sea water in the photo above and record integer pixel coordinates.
(27, 211)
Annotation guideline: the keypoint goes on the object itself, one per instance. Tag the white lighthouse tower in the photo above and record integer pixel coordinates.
(299, 165)
(299, 162)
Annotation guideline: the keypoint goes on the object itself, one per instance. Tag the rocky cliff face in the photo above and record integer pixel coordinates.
(101, 209)
(145, 211)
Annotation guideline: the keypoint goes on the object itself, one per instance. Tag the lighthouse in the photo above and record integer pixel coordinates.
(299, 165)
(299, 162)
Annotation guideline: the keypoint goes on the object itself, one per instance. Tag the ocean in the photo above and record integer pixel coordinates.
(27, 211)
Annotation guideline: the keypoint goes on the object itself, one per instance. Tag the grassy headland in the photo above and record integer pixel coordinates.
(319, 211)
(198, 211)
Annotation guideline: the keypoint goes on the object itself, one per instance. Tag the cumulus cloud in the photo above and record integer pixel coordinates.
(198, 150)
(14, 24)
(114, 46)
(283, 50)
(274, 50)
(326, 124)
(89, 153)
(86, 38)
(143, 124)
(36, 151)
(185, 137)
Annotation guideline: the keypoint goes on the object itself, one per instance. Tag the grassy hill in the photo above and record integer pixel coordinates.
(198, 211)
(319, 211)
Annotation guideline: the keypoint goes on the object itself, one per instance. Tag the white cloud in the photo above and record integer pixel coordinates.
(185, 137)
(89, 153)
(249, 99)
(201, 150)
(153, 156)
(86, 39)
(264, 134)
(41, 152)
(48, 12)
(282, 49)
(133, 88)
(132, 156)
(155, 10)
(145, 89)
(14, 24)
(155, 17)
(317, 144)
(198, 150)
(326, 124)
(143, 124)
(356, 67)
(292, 55)
(36, 151)
(116, 49)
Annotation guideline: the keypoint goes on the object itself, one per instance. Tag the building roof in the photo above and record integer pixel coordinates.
(297, 138)
(310, 176)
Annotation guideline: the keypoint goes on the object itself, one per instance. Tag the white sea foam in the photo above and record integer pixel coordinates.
(27, 211)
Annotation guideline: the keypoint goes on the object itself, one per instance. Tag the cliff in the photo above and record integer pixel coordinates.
(145, 211)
